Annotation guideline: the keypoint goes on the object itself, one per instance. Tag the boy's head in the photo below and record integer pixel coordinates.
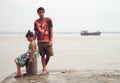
(40, 9)
(41, 12)
(29, 34)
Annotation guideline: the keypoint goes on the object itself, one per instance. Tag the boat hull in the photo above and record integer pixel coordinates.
(91, 34)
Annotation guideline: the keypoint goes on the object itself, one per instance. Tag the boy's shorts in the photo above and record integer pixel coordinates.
(45, 49)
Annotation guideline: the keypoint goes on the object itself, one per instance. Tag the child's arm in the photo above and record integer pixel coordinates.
(32, 50)
(35, 35)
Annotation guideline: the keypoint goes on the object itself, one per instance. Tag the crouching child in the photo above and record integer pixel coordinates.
(28, 59)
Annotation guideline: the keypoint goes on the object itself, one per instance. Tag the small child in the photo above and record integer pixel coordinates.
(28, 56)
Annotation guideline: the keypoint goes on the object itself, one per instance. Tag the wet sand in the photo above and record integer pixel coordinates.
(70, 76)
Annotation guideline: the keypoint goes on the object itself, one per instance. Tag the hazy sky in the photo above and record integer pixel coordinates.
(67, 15)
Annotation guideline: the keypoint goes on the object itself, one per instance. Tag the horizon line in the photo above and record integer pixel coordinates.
(57, 32)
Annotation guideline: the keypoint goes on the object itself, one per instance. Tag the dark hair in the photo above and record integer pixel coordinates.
(29, 34)
(40, 8)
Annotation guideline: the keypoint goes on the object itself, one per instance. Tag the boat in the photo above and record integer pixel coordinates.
(86, 33)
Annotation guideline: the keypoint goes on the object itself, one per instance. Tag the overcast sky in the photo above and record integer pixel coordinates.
(67, 15)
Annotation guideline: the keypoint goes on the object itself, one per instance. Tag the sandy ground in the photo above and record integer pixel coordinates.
(70, 76)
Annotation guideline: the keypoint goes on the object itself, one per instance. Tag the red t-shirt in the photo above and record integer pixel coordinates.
(45, 25)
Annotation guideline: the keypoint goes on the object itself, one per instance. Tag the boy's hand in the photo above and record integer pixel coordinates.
(50, 43)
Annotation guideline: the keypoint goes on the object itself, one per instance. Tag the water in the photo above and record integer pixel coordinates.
(89, 52)
(71, 51)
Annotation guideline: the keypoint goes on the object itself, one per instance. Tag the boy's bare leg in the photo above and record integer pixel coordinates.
(46, 62)
(43, 60)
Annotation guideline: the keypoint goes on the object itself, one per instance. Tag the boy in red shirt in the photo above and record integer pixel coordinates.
(43, 28)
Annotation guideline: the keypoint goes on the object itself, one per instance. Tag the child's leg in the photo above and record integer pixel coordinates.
(25, 74)
(19, 73)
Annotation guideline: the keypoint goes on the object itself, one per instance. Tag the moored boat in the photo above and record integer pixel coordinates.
(86, 33)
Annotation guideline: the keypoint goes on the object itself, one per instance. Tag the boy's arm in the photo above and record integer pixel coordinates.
(51, 36)
(50, 31)
(40, 30)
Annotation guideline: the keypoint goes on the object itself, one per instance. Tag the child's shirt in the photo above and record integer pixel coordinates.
(35, 50)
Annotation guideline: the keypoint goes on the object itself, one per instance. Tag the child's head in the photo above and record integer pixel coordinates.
(30, 35)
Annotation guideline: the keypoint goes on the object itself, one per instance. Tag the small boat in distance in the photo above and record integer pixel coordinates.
(86, 33)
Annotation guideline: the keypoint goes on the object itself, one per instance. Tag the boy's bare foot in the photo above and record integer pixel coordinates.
(43, 73)
(46, 72)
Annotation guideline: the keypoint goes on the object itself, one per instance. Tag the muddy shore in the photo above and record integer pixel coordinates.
(69, 76)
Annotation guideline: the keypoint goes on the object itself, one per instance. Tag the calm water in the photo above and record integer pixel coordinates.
(88, 52)
(71, 51)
